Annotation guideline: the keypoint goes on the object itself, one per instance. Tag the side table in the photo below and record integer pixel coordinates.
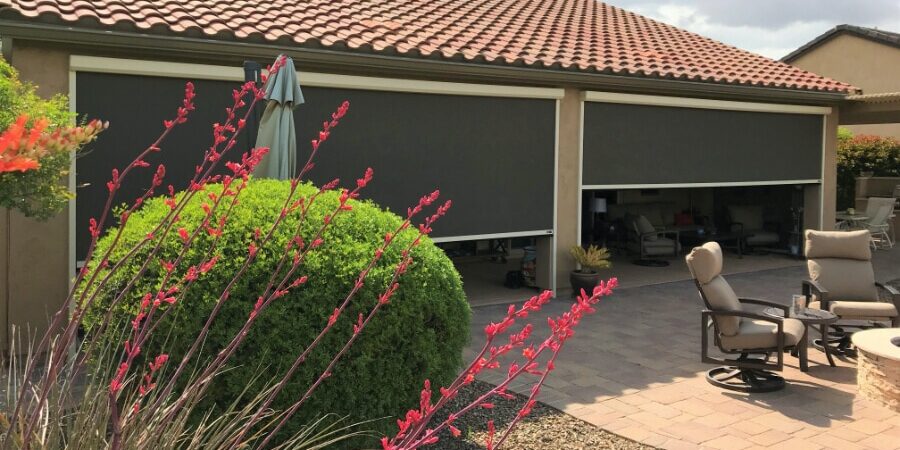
(809, 317)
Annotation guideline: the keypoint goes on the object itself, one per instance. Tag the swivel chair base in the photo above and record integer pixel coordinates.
(744, 380)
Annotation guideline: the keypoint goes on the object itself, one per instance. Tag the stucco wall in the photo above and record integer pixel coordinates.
(864, 63)
(35, 264)
(568, 201)
(829, 176)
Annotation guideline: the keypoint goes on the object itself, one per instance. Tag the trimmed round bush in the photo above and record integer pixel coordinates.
(419, 335)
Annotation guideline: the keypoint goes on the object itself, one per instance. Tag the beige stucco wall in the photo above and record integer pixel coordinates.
(568, 199)
(35, 264)
(861, 62)
(829, 175)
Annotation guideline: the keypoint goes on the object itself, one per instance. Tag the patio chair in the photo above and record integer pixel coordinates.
(748, 220)
(842, 281)
(879, 227)
(652, 241)
(752, 336)
(882, 228)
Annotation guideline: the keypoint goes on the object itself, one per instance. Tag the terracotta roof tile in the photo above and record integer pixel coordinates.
(580, 35)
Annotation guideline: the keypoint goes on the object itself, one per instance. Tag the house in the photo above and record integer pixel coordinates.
(868, 58)
(521, 111)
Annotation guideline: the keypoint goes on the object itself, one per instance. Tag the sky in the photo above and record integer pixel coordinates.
(771, 28)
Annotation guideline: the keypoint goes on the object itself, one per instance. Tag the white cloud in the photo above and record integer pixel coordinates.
(772, 28)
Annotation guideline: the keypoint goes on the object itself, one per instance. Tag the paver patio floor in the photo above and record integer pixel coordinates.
(634, 369)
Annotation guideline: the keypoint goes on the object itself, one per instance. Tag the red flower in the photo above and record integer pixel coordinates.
(334, 316)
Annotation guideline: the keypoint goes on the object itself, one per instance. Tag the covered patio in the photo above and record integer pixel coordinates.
(634, 369)
(483, 280)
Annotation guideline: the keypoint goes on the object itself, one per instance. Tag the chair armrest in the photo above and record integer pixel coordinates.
(812, 287)
(745, 314)
(671, 233)
(736, 226)
(756, 301)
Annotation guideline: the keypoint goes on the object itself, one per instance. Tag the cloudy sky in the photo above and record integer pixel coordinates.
(772, 28)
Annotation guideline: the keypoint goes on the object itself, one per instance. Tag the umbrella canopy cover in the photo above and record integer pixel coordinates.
(276, 128)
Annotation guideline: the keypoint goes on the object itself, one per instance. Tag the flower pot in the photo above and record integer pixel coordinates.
(583, 280)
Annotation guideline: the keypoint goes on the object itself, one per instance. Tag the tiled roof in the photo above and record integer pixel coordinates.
(873, 34)
(576, 35)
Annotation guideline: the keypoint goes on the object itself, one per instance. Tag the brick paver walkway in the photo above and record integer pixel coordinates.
(633, 369)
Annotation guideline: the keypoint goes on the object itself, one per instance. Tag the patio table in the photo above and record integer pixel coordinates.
(847, 221)
(809, 316)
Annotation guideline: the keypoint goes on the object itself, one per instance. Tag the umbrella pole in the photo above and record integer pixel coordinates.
(252, 72)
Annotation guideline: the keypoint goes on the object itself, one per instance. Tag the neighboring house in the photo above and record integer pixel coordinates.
(514, 108)
(868, 58)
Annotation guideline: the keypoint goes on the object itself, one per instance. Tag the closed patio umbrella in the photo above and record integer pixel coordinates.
(276, 128)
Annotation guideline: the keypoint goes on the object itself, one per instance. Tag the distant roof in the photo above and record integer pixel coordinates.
(872, 34)
(563, 35)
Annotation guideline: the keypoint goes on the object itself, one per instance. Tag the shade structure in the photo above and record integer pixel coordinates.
(276, 128)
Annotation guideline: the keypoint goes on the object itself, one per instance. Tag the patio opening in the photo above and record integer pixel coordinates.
(648, 231)
(505, 270)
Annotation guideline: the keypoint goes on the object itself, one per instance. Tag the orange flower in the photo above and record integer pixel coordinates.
(22, 148)
(18, 164)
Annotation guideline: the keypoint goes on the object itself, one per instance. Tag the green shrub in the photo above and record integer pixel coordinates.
(863, 153)
(419, 335)
(37, 193)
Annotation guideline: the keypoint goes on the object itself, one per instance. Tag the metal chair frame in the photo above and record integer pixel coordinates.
(840, 341)
(744, 367)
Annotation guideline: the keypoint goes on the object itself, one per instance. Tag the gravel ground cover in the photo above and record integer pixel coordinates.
(544, 428)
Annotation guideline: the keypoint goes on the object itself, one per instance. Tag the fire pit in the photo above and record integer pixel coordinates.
(878, 365)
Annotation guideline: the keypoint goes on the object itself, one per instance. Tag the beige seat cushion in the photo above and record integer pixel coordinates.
(665, 248)
(844, 278)
(755, 334)
(722, 298)
(860, 310)
(661, 246)
(705, 264)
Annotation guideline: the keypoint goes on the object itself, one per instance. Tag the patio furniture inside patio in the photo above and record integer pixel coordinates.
(484, 279)
(661, 224)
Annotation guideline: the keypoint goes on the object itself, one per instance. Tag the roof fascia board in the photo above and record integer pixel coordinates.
(700, 103)
(317, 79)
(809, 46)
(828, 36)
(402, 66)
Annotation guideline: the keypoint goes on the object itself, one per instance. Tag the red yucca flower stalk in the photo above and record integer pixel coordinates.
(415, 429)
(145, 395)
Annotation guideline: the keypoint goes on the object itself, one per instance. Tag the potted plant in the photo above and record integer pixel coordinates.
(588, 264)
